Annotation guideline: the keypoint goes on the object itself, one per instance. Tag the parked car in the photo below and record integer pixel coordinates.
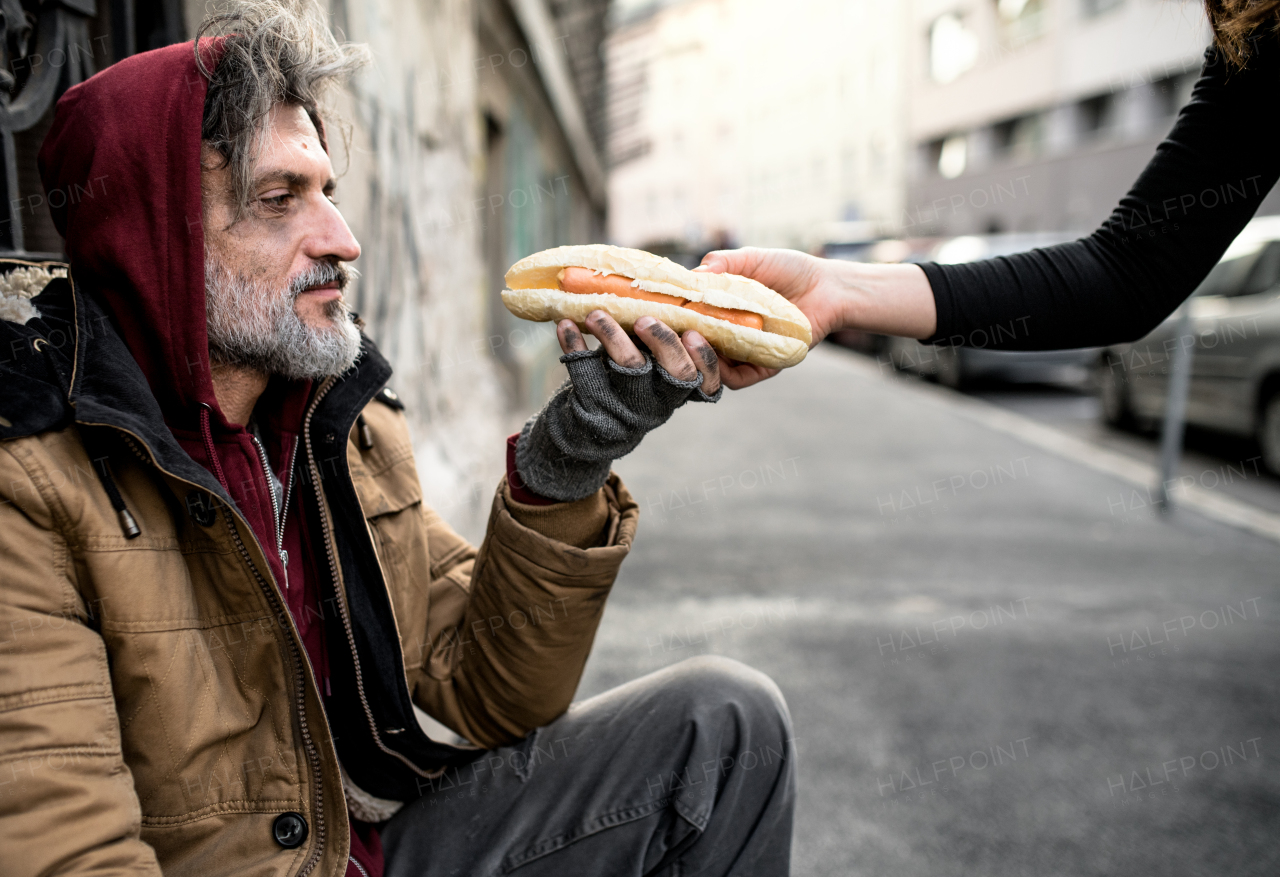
(957, 366)
(1235, 342)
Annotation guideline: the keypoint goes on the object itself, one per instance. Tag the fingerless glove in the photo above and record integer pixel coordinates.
(597, 416)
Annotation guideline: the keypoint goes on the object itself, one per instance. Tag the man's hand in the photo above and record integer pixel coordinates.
(682, 357)
(888, 299)
(614, 396)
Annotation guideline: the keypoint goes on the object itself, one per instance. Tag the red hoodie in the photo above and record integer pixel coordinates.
(121, 171)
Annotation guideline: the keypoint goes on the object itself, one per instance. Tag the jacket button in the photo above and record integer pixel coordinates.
(289, 830)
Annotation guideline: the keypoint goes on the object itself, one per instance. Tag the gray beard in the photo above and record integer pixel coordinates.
(254, 325)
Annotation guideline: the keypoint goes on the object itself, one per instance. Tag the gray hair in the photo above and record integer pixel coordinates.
(253, 325)
(275, 52)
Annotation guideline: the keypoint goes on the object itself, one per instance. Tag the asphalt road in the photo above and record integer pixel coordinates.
(1213, 460)
(993, 669)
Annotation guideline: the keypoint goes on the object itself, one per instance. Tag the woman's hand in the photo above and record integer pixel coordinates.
(833, 294)
(796, 276)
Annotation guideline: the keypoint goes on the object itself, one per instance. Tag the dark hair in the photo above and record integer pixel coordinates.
(274, 52)
(1235, 21)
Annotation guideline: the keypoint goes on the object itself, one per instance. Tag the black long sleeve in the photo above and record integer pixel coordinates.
(1199, 190)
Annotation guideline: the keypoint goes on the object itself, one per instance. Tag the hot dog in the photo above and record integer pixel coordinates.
(729, 315)
(584, 281)
(742, 319)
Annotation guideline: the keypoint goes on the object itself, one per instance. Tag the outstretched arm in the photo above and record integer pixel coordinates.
(1203, 185)
(890, 299)
(492, 674)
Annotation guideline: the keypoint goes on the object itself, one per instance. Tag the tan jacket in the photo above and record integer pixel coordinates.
(157, 711)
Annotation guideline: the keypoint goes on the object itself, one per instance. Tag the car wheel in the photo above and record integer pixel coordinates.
(1113, 392)
(950, 367)
(1269, 433)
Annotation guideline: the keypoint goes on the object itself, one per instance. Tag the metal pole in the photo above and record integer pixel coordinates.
(1175, 406)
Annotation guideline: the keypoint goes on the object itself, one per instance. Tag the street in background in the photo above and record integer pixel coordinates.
(1234, 339)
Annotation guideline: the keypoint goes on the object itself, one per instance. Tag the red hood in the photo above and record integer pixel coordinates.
(122, 165)
(121, 170)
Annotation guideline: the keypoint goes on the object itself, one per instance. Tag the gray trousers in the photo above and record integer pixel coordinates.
(687, 771)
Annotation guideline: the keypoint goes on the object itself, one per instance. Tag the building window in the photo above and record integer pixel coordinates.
(1097, 115)
(953, 48)
(953, 156)
(1020, 138)
(1021, 20)
(1092, 8)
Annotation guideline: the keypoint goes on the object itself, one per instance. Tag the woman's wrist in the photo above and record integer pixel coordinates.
(886, 299)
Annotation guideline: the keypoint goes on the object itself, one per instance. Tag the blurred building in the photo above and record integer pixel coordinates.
(754, 122)
(475, 139)
(1037, 115)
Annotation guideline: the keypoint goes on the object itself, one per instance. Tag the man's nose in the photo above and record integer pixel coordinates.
(332, 238)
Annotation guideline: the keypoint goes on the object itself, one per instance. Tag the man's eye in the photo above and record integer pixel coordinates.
(275, 205)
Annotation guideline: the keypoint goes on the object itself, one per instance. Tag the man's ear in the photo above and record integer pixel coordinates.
(215, 183)
(212, 158)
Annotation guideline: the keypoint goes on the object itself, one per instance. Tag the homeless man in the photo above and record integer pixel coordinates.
(223, 593)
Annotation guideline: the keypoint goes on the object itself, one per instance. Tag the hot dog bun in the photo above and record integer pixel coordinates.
(535, 293)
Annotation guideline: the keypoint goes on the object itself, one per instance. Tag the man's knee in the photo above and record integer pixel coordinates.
(711, 686)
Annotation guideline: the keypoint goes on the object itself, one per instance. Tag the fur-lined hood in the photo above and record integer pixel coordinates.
(22, 284)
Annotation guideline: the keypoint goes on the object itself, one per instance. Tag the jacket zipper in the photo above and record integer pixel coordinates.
(273, 597)
(359, 867)
(300, 700)
(330, 554)
(278, 509)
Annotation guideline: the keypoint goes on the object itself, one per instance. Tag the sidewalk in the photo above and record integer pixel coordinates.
(994, 668)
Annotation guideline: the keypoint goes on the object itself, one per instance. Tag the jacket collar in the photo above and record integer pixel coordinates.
(106, 387)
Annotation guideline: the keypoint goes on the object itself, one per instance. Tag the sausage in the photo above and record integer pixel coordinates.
(729, 315)
(584, 281)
